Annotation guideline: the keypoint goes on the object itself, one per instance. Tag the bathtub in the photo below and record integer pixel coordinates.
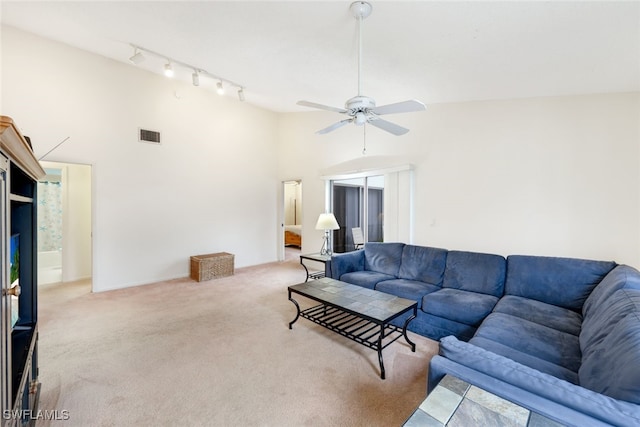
(49, 267)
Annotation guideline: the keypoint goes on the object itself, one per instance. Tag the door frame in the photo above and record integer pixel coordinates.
(281, 214)
(399, 191)
(63, 166)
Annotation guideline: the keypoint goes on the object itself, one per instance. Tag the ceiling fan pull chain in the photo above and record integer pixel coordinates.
(364, 139)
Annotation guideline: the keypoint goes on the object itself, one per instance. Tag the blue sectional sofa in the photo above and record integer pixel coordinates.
(560, 336)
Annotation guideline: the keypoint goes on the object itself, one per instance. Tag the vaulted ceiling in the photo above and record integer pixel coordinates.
(434, 51)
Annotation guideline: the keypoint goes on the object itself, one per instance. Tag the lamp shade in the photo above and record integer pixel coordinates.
(326, 221)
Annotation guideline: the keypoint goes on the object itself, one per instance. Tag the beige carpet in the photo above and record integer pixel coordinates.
(215, 353)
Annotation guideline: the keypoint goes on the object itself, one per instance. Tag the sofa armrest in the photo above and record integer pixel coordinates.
(555, 398)
(346, 263)
(440, 366)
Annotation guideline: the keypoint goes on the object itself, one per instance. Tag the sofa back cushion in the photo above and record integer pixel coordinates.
(475, 272)
(423, 264)
(601, 321)
(610, 344)
(383, 257)
(565, 282)
(621, 277)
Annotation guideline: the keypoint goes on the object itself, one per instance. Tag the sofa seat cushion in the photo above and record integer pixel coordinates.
(366, 279)
(423, 264)
(541, 313)
(526, 359)
(542, 342)
(436, 327)
(611, 347)
(409, 289)
(460, 306)
(475, 272)
(565, 282)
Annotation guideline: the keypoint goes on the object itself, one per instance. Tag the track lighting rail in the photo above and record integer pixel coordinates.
(197, 71)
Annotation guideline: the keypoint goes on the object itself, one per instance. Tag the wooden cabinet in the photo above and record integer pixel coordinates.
(19, 172)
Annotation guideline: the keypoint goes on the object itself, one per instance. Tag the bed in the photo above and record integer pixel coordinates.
(293, 235)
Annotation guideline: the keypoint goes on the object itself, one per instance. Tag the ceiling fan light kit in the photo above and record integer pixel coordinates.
(362, 109)
(361, 9)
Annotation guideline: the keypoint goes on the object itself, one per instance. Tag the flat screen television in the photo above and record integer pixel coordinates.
(14, 275)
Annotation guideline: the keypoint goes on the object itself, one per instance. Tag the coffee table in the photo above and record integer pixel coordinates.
(360, 314)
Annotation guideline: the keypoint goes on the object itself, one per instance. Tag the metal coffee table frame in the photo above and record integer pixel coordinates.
(372, 332)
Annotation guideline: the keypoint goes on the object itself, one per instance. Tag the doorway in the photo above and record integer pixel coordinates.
(292, 219)
(64, 223)
(358, 203)
(379, 202)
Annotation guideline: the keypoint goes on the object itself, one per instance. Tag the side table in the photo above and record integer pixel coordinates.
(325, 260)
(456, 403)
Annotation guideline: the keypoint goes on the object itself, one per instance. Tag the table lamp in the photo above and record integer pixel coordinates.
(326, 222)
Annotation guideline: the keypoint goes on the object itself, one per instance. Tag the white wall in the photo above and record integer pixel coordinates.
(543, 176)
(76, 217)
(153, 206)
(546, 176)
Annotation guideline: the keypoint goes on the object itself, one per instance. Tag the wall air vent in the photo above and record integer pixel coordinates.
(150, 136)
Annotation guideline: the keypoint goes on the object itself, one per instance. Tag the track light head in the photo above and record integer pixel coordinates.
(219, 88)
(168, 69)
(195, 77)
(241, 94)
(137, 57)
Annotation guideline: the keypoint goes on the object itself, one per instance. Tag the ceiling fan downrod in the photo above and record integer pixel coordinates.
(360, 10)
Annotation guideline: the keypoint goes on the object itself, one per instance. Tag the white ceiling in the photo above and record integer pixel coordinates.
(434, 51)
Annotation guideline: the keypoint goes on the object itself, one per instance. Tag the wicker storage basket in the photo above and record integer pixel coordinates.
(211, 266)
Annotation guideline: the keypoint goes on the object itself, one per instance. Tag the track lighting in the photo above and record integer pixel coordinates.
(137, 57)
(197, 72)
(168, 69)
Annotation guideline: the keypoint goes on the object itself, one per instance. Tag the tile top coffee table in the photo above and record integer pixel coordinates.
(360, 314)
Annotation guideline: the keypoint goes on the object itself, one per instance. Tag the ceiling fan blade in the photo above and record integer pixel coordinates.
(388, 126)
(400, 107)
(321, 107)
(334, 126)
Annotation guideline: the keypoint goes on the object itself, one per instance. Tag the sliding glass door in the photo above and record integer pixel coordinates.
(357, 203)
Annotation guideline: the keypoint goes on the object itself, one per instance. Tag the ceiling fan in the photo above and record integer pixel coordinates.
(362, 109)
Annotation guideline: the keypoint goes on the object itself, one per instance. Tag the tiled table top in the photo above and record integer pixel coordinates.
(367, 302)
(456, 403)
(316, 257)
